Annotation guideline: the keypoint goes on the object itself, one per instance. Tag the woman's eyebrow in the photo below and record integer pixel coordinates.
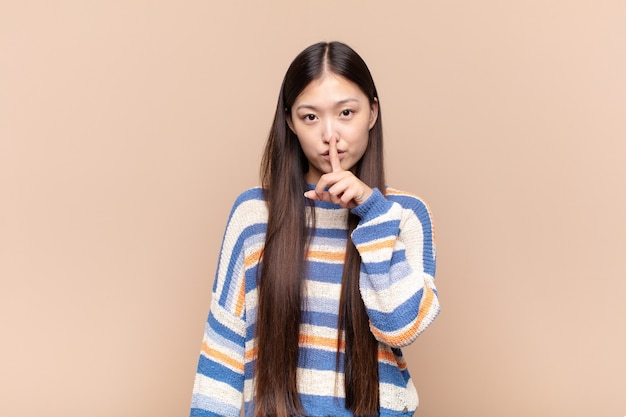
(347, 100)
(337, 104)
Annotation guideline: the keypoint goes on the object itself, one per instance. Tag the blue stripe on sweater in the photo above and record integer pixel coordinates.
(324, 272)
(198, 412)
(398, 266)
(225, 331)
(331, 235)
(219, 372)
(421, 211)
(332, 406)
(220, 340)
(368, 233)
(322, 305)
(325, 406)
(403, 315)
(319, 359)
(323, 360)
(390, 374)
(236, 262)
(320, 319)
(201, 404)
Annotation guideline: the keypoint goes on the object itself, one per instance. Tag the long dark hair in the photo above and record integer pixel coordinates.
(283, 170)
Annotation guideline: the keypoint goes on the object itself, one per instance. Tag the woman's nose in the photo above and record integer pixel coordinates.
(329, 131)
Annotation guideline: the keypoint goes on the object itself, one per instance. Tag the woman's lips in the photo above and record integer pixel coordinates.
(340, 155)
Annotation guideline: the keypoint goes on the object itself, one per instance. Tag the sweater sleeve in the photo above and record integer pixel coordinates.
(396, 244)
(219, 380)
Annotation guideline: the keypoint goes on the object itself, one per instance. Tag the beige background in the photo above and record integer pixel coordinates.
(127, 128)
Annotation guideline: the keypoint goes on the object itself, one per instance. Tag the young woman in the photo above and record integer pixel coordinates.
(324, 272)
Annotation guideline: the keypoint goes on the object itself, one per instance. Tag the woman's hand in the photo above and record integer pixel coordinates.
(339, 186)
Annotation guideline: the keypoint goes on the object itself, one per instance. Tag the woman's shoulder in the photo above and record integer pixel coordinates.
(251, 194)
(249, 205)
(409, 201)
(403, 196)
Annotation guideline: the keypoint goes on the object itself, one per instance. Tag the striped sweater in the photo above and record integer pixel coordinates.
(395, 240)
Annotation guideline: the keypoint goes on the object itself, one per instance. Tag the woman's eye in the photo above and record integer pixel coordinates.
(346, 113)
(310, 117)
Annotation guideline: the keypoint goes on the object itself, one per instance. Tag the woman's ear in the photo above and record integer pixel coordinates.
(373, 112)
(289, 121)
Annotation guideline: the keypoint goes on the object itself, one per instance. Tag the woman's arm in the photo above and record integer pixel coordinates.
(396, 243)
(220, 375)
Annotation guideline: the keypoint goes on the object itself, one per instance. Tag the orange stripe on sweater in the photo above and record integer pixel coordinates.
(402, 338)
(385, 244)
(327, 342)
(390, 357)
(332, 343)
(220, 357)
(426, 305)
(304, 339)
(390, 191)
(251, 354)
(240, 300)
(395, 340)
(327, 256)
(252, 259)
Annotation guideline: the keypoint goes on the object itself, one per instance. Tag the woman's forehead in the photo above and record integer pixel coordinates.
(329, 89)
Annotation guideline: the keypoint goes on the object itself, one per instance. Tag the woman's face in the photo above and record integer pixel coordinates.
(332, 109)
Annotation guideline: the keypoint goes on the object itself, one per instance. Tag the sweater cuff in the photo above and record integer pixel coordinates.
(374, 206)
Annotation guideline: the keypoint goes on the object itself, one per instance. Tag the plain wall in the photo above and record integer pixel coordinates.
(127, 128)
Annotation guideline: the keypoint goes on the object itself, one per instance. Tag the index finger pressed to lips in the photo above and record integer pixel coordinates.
(334, 156)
